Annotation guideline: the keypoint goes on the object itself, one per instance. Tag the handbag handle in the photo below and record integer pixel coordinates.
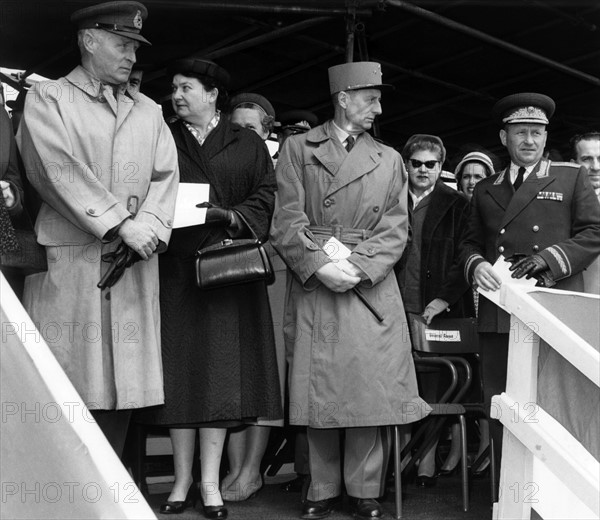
(243, 219)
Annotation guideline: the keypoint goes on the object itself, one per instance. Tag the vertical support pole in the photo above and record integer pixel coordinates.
(516, 470)
(350, 30)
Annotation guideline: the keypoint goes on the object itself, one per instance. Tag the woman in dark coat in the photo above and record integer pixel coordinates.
(218, 347)
(430, 278)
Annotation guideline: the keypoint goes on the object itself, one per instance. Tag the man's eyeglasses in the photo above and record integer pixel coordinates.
(416, 164)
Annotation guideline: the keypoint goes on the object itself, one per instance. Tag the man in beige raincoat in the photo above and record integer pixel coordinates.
(348, 369)
(105, 166)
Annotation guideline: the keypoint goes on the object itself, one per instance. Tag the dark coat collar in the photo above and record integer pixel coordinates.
(442, 200)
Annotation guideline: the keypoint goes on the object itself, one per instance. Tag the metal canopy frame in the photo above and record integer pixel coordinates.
(299, 20)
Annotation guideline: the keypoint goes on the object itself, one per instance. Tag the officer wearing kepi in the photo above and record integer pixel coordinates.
(542, 216)
(349, 369)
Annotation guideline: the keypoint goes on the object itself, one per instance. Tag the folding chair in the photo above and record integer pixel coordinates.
(445, 338)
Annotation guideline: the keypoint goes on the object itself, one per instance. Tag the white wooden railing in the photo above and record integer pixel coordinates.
(544, 467)
(55, 461)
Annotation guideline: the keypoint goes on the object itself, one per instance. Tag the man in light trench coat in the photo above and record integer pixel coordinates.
(348, 369)
(105, 165)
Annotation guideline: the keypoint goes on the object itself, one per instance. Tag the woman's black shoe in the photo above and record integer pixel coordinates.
(214, 511)
(179, 506)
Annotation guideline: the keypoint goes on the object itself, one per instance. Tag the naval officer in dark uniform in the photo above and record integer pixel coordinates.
(543, 210)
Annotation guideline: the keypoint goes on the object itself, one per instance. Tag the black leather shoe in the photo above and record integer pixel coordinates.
(366, 508)
(214, 511)
(319, 509)
(176, 507)
(425, 481)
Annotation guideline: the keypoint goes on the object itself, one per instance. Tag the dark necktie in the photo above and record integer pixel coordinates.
(519, 179)
(350, 143)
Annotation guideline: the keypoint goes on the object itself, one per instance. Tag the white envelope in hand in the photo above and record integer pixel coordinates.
(335, 250)
(186, 212)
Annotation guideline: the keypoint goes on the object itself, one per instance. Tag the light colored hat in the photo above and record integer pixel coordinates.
(525, 107)
(474, 157)
(354, 76)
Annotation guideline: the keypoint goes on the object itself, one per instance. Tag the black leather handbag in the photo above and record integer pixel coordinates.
(233, 262)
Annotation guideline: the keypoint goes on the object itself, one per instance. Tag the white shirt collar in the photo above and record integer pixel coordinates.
(341, 134)
(514, 171)
(416, 199)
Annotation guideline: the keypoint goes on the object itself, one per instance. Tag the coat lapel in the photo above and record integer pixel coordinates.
(501, 191)
(537, 180)
(439, 206)
(186, 144)
(345, 167)
(125, 104)
(363, 158)
(330, 153)
(221, 137)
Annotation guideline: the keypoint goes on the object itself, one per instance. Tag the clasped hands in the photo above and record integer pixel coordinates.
(139, 241)
(340, 276)
(140, 237)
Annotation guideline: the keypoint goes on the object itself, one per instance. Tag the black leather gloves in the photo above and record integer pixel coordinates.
(532, 266)
(216, 216)
(120, 259)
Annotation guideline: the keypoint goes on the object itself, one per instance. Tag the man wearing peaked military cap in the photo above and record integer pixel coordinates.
(527, 107)
(122, 18)
(541, 216)
(105, 166)
(336, 181)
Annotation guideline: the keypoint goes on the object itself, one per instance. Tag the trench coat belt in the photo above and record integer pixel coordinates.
(347, 236)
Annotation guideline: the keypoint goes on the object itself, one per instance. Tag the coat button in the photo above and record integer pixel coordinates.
(375, 209)
(328, 202)
(536, 248)
(501, 249)
(371, 251)
(169, 223)
(502, 231)
(535, 229)
(92, 211)
(428, 274)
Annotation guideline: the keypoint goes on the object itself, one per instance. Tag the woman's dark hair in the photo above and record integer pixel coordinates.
(210, 83)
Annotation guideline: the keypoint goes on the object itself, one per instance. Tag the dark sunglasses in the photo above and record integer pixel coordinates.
(428, 164)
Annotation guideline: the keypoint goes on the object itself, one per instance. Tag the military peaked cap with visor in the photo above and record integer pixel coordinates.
(525, 107)
(122, 18)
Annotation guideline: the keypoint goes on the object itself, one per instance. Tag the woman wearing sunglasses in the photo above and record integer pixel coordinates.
(431, 282)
